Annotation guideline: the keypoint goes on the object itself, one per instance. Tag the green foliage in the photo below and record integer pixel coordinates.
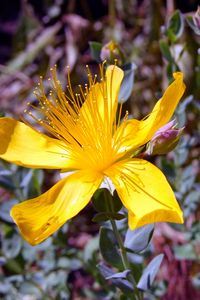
(102, 200)
(185, 252)
(101, 217)
(105, 196)
(77, 263)
(127, 82)
(95, 49)
(165, 49)
(175, 26)
(150, 272)
(137, 240)
(109, 249)
(116, 280)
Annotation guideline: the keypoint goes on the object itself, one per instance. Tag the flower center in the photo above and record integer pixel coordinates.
(84, 122)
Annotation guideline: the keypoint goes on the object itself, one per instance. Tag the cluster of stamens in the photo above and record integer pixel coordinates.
(76, 120)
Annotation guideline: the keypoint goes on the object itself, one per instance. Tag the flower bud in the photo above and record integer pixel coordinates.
(165, 139)
(110, 51)
(196, 18)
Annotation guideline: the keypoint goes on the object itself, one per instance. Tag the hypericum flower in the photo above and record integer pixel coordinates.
(87, 138)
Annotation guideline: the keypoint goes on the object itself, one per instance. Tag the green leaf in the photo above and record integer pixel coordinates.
(122, 284)
(117, 204)
(109, 249)
(135, 259)
(91, 248)
(168, 168)
(105, 216)
(29, 288)
(137, 240)
(15, 278)
(4, 172)
(181, 110)
(150, 272)
(192, 197)
(194, 233)
(192, 25)
(127, 82)
(36, 183)
(165, 50)
(187, 179)
(6, 183)
(11, 246)
(14, 266)
(175, 26)
(30, 253)
(5, 210)
(185, 252)
(170, 70)
(95, 49)
(100, 199)
(27, 178)
(182, 150)
(122, 275)
(5, 287)
(103, 201)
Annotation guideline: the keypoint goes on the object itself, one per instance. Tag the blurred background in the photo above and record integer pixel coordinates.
(156, 37)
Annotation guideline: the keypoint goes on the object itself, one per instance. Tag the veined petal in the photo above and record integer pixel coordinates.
(102, 98)
(114, 76)
(24, 146)
(145, 192)
(96, 120)
(134, 133)
(38, 218)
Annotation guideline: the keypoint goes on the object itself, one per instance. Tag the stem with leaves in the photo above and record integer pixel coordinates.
(123, 253)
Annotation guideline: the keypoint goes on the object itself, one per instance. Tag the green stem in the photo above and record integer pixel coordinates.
(18, 190)
(125, 258)
(123, 253)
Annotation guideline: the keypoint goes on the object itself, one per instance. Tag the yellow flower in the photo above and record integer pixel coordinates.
(87, 138)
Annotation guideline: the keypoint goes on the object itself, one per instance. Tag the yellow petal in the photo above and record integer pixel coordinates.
(134, 133)
(38, 218)
(22, 145)
(114, 76)
(102, 98)
(145, 192)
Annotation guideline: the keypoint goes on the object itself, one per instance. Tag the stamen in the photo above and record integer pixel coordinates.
(82, 122)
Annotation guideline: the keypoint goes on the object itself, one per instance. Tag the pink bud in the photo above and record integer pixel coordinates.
(196, 18)
(165, 139)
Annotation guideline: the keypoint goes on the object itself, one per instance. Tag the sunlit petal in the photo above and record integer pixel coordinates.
(96, 120)
(102, 98)
(22, 145)
(145, 192)
(38, 218)
(114, 76)
(134, 133)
